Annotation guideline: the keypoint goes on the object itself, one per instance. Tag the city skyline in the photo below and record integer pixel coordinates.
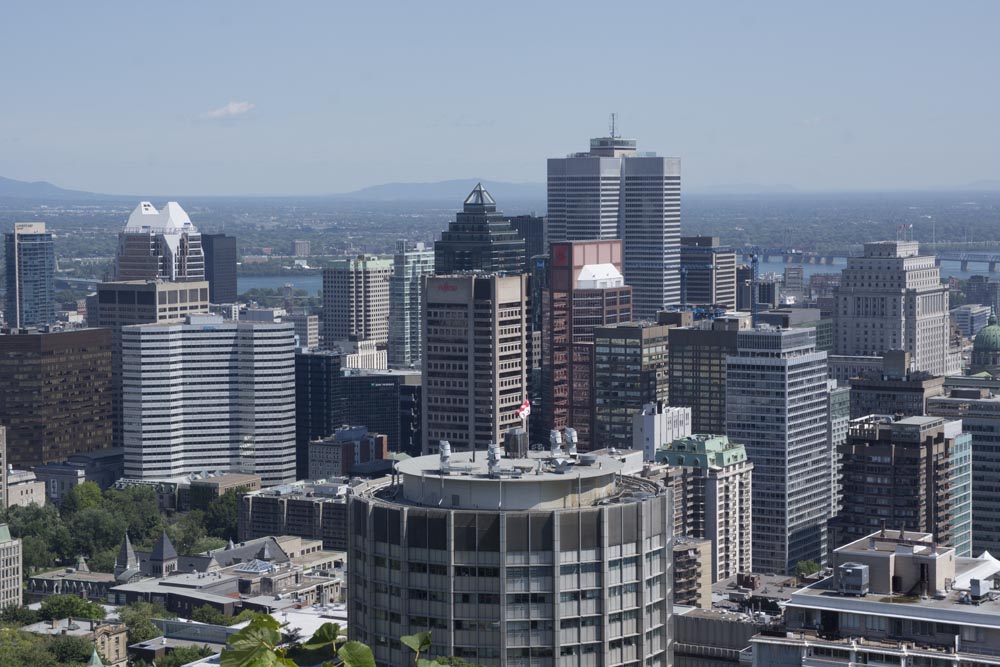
(244, 114)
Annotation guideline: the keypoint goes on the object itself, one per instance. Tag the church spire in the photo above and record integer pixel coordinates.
(126, 559)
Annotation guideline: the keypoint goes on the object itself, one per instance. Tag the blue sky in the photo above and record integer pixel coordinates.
(321, 97)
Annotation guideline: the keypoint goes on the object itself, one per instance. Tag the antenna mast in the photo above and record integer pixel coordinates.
(614, 117)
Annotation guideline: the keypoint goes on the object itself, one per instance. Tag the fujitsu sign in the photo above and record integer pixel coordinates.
(446, 287)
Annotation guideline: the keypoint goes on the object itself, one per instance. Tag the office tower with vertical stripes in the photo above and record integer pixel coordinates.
(410, 264)
(613, 191)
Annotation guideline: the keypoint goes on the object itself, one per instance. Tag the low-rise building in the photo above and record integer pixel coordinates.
(24, 489)
(10, 568)
(311, 510)
(109, 638)
(895, 598)
(103, 467)
(349, 446)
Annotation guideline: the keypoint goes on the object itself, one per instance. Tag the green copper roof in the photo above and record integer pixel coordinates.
(988, 338)
(4, 533)
(95, 660)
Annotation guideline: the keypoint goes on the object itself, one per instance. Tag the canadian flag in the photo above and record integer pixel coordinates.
(525, 409)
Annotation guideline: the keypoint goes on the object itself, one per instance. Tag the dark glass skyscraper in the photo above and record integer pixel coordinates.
(480, 239)
(220, 267)
(31, 265)
(531, 228)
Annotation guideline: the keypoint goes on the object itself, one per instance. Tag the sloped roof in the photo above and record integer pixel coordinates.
(163, 550)
(171, 218)
(479, 197)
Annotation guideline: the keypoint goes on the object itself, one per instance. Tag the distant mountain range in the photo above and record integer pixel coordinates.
(450, 191)
(40, 190)
(447, 191)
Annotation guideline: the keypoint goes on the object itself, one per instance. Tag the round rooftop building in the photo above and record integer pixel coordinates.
(542, 560)
(986, 348)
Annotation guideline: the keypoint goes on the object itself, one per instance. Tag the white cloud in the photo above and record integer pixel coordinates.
(231, 110)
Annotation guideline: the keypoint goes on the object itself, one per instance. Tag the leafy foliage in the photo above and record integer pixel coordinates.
(138, 618)
(15, 616)
(66, 606)
(222, 515)
(209, 614)
(806, 567)
(23, 648)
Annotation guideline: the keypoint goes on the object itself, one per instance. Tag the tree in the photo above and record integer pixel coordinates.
(66, 606)
(222, 515)
(209, 614)
(16, 616)
(70, 649)
(138, 618)
(806, 567)
(81, 497)
(96, 529)
(182, 655)
(187, 530)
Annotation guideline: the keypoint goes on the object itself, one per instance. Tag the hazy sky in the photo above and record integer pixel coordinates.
(321, 97)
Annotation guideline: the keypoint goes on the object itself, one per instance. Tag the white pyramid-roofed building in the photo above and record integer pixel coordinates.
(171, 218)
(600, 276)
(159, 245)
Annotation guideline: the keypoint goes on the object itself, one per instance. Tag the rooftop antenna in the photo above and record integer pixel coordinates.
(614, 117)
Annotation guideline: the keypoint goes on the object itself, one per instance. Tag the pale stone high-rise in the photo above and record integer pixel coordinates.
(356, 299)
(162, 244)
(892, 299)
(10, 569)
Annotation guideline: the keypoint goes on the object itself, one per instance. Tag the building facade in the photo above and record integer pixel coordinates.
(976, 402)
(55, 394)
(970, 318)
(356, 299)
(30, 273)
(316, 511)
(120, 304)
(475, 330)
(697, 370)
(206, 394)
(504, 568)
(220, 267)
(409, 266)
(10, 569)
(157, 245)
(531, 228)
(717, 480)
(892, 299)
(914, 474)
(614, 192)
(336, 455)
(585, 290)
(631, 360)
(895, 598)
(480, 239)
(708, 272)
(319, 406)
(777, 405)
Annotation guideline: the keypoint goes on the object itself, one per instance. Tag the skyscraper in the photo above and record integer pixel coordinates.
(31, 265)
(207, 394)
(120, 304)
(220, 267)
(11, 584)
(409, 266)
(708, 272)
(162, 244)
(319, 406)
(356, 300)
(585, 290)
(55, 394)
(777, 404)
(914, 474)
(697, 373)
(474, 359)
(630, 370)
(480, 239)
(892, 299)
(614, 192)
(531, 228)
